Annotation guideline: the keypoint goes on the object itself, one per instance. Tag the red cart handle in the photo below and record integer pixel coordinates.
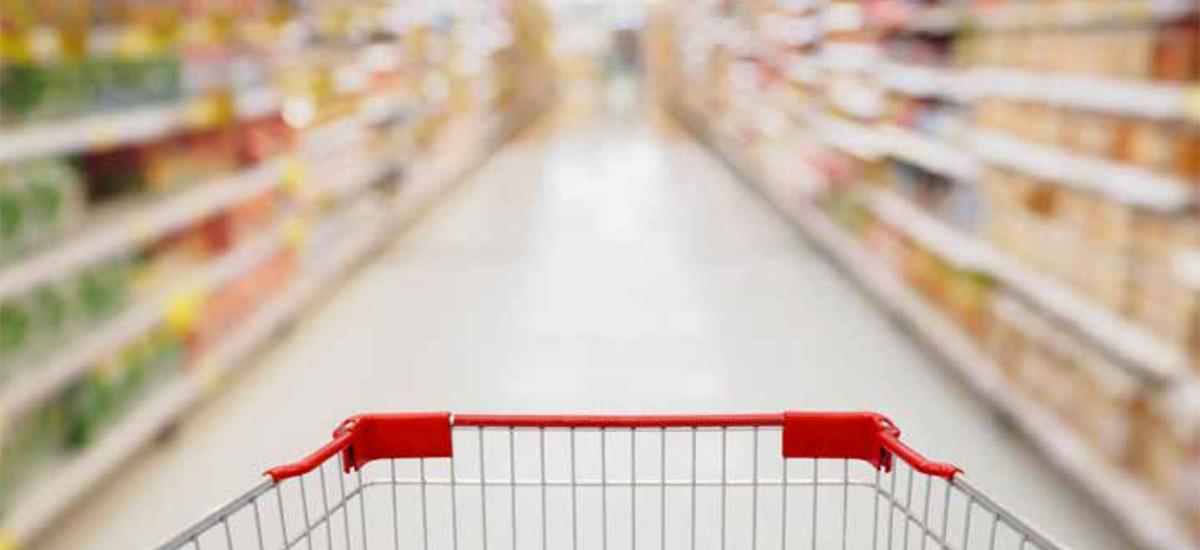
(866, 436)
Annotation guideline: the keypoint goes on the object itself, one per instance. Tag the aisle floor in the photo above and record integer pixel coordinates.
(595, 264)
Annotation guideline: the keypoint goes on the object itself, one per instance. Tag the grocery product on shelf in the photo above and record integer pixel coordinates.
(1167, 446)
(40, 201)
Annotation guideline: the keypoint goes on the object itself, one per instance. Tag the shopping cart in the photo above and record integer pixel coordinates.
(778, 481)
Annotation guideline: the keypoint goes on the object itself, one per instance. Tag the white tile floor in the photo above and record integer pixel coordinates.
(591, 266)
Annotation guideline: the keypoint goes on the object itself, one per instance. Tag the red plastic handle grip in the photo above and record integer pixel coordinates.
(851, 435)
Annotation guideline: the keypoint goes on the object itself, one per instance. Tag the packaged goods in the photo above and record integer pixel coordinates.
(1168, 450)
(40, 201)
(103, 289)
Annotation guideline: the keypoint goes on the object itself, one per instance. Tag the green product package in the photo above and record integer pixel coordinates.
(23, 87)
(104, 289)
(89, 404)
(12, 216)
(16, 321)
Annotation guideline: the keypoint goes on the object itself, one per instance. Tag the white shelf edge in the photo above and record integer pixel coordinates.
(1139, 515)
(1142, 98)
(1127, 184)
(107, 129)
(850, 57)
(860, 140)
(1078, 13)
(931, 154)
(1144, 355)
(1159, 100)
(925, 81)
(960, 249)
(136, 224)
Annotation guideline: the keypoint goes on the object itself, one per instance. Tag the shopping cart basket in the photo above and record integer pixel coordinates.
(778, 481)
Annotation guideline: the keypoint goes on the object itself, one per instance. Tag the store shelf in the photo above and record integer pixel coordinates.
(931, 154)
(1142, 98)
(1127, 184)
(860, 140)
(107, 129)
(803, 68)
(359, 176)
(136, 223)
(925, 81)
(850, 57)
(855, 97)
(1139, 514)
(1146, 357)
(48, 378)
(959, 249)
(1078, 13)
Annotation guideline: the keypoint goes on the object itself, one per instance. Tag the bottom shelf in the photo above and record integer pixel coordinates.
(1139, 515)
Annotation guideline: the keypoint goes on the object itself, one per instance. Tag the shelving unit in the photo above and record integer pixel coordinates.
(345, 143)
(960, 191)
(80, 474)
(1140, 515)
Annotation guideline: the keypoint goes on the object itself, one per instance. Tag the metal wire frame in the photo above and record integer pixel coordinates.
(586, 488)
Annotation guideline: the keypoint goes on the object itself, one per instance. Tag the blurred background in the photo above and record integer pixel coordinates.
(225, 225)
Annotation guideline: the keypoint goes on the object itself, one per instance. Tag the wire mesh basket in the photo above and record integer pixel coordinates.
(775, 481)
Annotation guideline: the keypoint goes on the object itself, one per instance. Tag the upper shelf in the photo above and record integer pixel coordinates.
(108, 129)
(935, 155)
(1143, 98)
(1140, 98)
(1029, 15)
(1124, 183)
(1077, 13)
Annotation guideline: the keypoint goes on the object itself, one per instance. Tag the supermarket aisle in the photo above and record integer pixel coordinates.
(595, 265)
